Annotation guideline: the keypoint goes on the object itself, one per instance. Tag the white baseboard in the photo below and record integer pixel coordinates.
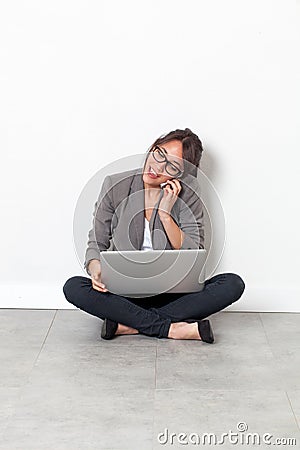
(254, 299)
(268, 299)
(33, 296)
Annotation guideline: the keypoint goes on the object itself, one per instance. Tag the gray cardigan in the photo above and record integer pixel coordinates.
(118, 217)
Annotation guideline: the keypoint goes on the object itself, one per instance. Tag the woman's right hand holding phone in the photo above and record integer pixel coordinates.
(94, 269)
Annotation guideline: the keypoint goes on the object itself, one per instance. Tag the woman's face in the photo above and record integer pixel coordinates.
(173, 152)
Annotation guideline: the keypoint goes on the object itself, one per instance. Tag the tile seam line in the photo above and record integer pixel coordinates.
(43, 343)
(267, 338)
(296, 420)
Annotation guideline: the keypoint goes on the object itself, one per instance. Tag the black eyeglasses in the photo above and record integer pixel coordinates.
(170, 168)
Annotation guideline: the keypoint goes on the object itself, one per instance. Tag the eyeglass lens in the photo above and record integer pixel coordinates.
(160, 157)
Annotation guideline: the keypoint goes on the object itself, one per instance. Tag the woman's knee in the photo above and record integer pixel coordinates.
(237, 285)
(71, 288)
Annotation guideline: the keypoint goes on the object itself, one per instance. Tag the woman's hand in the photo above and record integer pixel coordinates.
(169, 198)
(94, 269)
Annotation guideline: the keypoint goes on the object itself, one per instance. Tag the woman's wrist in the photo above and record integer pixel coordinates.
(91, 263)
(165, 217)
(174, 233)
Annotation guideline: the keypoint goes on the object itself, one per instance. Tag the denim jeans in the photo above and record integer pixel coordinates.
(153, 315)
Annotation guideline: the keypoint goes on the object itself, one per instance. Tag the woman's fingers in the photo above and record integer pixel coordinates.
(168, 190)
(176, 186)
(98, 285)
(177, 182)
(100, 289)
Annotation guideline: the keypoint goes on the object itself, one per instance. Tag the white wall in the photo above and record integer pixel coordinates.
(84, 83)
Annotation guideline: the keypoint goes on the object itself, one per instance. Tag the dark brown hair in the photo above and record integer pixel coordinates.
(191, 147)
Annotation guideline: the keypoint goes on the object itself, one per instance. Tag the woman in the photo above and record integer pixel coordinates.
(133, 212)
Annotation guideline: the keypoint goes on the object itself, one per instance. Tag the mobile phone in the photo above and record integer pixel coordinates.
(165, 184)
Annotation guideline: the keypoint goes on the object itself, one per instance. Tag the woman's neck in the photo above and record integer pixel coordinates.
(151, 192)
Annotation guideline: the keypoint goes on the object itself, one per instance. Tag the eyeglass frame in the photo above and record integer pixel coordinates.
(166, 161)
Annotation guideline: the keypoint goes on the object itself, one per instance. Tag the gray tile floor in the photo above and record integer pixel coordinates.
(64, 388)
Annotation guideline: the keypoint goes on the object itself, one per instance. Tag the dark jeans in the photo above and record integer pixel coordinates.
(153, 315)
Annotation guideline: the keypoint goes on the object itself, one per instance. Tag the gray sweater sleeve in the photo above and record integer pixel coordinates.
(100, 233)
(191, 222)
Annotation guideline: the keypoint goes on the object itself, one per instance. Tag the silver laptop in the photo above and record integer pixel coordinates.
(136, 273)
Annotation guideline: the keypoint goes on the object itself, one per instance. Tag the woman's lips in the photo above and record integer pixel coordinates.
(151, 175)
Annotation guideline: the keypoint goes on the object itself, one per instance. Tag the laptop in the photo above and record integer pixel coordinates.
(136, 273)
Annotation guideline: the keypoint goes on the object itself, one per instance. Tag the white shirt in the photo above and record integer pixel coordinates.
(147, 243)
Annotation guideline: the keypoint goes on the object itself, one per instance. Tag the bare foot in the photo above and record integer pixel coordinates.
(184, 330)
(124, 329)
